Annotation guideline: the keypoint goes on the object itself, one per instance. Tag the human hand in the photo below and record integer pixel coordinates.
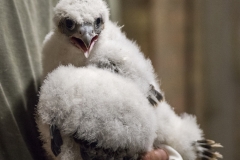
(156, 154)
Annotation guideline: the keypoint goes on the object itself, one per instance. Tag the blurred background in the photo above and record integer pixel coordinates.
(195, 49)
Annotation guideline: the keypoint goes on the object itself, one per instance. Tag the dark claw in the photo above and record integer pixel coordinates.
(208, 154)
(56, 140)
(206, 146)
(205, 141)
(205, 149)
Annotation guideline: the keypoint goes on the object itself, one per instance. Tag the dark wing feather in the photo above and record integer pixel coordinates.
(154, 96)
(109, 65)
(56, 140)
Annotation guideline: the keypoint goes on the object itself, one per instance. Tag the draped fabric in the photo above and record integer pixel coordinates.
(23, 25)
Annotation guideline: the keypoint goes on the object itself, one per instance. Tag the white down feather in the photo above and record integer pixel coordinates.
(101, 106)
(112, 45)
(176, 131)
(109, 108)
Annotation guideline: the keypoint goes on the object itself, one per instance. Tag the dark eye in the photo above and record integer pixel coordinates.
(70, 24)
(98, 22)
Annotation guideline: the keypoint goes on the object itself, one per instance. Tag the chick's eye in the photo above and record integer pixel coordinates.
(98, 22)
(70, 24)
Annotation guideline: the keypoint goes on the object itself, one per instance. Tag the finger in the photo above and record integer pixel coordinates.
(157, 154)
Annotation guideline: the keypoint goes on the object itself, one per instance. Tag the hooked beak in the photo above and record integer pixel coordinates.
(85, 38)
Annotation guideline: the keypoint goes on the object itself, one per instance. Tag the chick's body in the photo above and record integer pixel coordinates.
(83, 109)
(87, 119)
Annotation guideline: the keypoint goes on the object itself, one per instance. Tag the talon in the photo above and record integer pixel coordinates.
(208, 154)
(206, 141)
(218, 155)
(217, 145)
(206, 146)
(204, 149)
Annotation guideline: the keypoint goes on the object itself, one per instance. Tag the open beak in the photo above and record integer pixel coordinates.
(85, 38)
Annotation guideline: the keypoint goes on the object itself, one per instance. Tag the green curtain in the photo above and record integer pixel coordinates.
(23, 25)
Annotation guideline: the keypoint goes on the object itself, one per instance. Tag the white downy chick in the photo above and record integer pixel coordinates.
(83, 36)
(99, 115)
(102, 115)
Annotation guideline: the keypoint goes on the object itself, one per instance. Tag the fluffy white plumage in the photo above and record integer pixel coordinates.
(107, 107)
(117, 117)
(112, 46)
(78, 101)
(57, 48)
